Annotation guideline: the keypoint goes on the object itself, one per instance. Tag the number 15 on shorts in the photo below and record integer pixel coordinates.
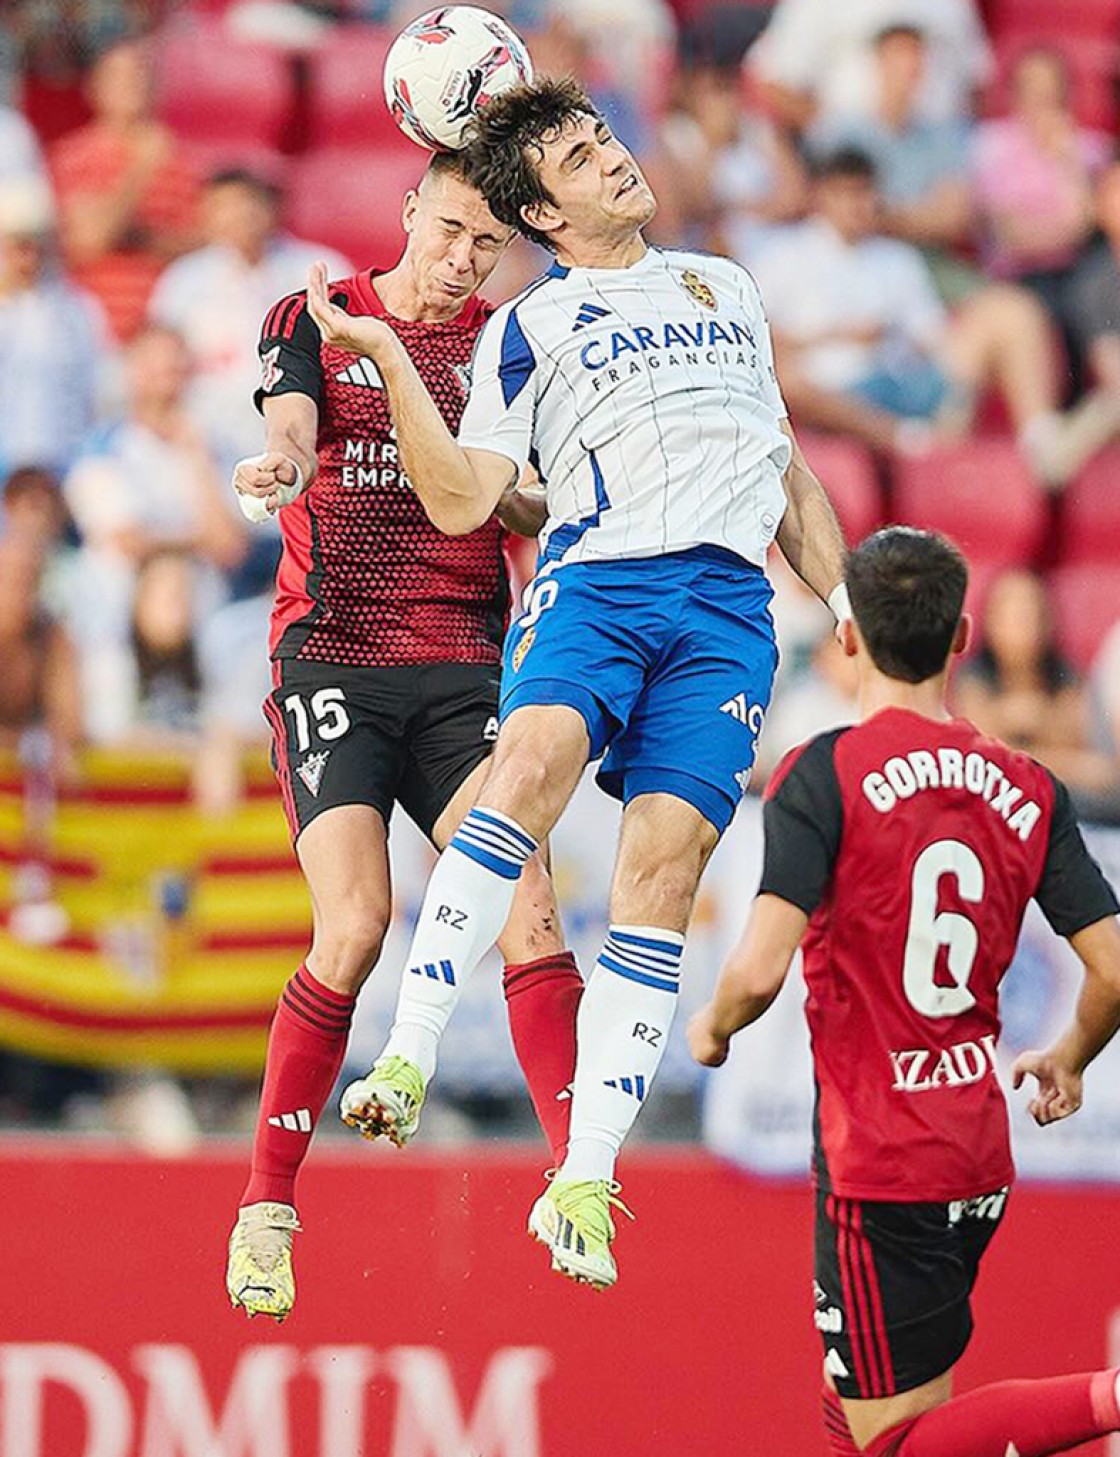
(325, 709)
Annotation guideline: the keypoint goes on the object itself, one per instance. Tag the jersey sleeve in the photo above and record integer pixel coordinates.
(1072, 892)
(803, 818)
(501, 407)
(289, 352)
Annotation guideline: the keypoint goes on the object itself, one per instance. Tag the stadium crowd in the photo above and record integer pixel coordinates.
(926, 191)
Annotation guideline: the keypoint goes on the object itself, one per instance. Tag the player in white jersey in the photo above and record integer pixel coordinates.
(639, 384)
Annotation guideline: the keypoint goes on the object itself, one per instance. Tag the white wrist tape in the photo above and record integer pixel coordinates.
(839, 602)
(253, 508)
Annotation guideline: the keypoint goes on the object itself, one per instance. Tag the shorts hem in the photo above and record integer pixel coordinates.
(717, 807)
(559, 693)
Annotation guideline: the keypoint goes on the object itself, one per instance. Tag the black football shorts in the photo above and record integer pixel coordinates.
(893, 1286)
(378, 736)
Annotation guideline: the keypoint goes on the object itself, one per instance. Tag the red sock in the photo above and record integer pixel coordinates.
(1034, 1417)
(306, 1045)
(542, 998)
(836, 1428)
(840, 1441)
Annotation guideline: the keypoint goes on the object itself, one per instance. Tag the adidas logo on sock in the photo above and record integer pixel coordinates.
(297, 1122)
(564, 1095)
(363, 373)
(635, 1086)
(446, 971)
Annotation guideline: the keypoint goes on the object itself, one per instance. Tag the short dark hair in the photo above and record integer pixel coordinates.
(907, 589)
(448, 164)
(499, 155)
(845, 162)
(237, 176)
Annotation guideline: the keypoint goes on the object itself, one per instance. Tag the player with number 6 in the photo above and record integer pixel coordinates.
(900, 855)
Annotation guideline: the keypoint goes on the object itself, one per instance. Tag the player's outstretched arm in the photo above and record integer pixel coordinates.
(459, 489)
(751, 978)
(810, 535)
(1059, 1069)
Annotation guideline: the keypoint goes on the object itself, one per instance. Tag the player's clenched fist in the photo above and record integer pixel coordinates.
(363, 334)
(266, 482)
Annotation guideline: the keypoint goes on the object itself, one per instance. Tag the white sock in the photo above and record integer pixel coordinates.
(465, 907)
(621, 1031)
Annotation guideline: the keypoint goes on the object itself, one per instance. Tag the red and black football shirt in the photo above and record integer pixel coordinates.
(914, 847)
(365, 579)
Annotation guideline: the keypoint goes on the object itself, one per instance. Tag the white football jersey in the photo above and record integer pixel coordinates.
(646, 399)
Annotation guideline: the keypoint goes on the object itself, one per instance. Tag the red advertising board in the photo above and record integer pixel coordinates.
(429, 1325)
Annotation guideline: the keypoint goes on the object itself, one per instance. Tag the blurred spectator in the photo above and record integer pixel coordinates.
(35, 511)
(217, 296)
(922, 165)
(147, 481)
(39, 684)
(1033, 182)
(720, 172)
(816, 58)
(1106, 691)
(1019, 688)
(141, 691)
(865, 347)
(1094, 318)
(127, 200)
(53, 339)
(811, 702)
(235, 680)
(20, 157)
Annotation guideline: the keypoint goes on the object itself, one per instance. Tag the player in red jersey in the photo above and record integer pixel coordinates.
(385, 641)
(901, 855)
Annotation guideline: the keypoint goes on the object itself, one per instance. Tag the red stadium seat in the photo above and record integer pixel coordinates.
(350, 198)
(980, 494)
(1045, 18)
(1091, 511)
(212, 86)
(1087, 604)
(847, 472)
(346, 105)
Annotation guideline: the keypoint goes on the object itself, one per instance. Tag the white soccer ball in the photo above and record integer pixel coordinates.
(447, 64)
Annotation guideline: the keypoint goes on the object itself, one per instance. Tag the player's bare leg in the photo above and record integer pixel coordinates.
(1024, 1418)
(539, 757)
(623, 1025)
(344, 857)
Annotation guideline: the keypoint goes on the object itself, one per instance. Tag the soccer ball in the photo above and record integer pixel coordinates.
(447, 64)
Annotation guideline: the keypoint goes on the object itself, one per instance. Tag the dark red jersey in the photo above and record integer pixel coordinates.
(914, 846)
(365, 579)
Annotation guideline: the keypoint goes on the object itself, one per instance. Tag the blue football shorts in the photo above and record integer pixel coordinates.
(670, 660)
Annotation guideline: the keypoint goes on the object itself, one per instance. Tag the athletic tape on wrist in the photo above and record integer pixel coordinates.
(253, 508)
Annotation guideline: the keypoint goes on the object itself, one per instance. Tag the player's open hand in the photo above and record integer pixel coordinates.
(707, 1046)
(360, 334)
(1059, 1087)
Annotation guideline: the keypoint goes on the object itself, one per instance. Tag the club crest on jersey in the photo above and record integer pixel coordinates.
(696, 288)
(462, 373)
(311, 770)
(271, 373)
(528, 638)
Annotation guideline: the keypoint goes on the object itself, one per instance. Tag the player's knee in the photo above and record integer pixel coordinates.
(661, 889)
(346, 949)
